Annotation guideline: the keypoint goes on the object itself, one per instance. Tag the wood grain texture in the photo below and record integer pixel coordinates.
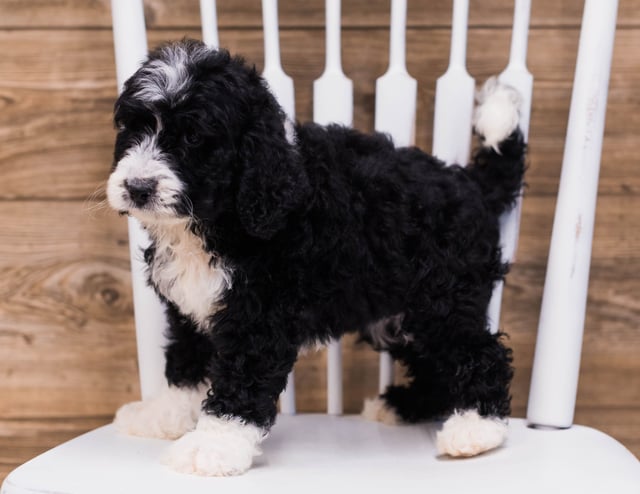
(65, 299)
(309, 13)
(56, 111)
(610, 348)
(67, 344)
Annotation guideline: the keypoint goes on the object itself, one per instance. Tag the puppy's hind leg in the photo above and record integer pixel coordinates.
(462, 373)
(478, 375)
(381, 335)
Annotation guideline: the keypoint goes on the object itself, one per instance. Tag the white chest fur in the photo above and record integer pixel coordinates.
(184, 273)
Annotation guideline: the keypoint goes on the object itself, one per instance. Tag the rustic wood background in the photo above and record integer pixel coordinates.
(67, 350)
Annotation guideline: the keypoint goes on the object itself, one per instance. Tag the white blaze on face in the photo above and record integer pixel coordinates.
(168, 76)
(162, 78)
(144, 161)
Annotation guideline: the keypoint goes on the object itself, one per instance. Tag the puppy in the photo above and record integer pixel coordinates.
(260, 246)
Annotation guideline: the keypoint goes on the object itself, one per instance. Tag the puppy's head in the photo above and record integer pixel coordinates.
(201, 139)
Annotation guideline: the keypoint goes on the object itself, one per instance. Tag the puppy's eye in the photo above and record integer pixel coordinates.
(137, 123)
(193, 138)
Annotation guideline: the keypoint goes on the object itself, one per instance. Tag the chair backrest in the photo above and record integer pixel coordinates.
(557, 357)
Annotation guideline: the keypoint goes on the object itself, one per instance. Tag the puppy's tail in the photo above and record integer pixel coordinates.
(499, 165)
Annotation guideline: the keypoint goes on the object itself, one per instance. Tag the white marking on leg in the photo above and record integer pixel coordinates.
(376, 410)
(467, 433)
(497, 113)
(218, 447)
(169, 415)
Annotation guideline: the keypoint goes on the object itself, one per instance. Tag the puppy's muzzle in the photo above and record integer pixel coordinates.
(141, 190)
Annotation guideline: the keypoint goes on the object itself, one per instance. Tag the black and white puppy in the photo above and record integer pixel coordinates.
(261, 246)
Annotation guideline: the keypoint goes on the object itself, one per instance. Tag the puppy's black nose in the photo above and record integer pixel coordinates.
(140, 189)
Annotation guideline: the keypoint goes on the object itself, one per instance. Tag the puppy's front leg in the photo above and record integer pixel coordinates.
(248, 372)
(175, 409)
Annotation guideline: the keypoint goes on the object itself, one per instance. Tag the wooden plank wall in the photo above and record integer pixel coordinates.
(67, 354)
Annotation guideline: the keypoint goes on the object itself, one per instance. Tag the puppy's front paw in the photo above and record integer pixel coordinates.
(167, 416)
(218, 447)
(469, 434)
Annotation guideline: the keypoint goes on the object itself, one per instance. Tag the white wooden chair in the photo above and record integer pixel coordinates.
(324, 452)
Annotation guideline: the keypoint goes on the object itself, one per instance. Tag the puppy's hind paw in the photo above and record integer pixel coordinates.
(469, 434)
(497, 113)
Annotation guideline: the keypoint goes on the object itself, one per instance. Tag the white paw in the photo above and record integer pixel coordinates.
(497, 113)
(469, 434)
(218, 447)
(166, 416)
(376, 410)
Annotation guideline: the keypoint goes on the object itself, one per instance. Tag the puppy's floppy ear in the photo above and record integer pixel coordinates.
(273, 182)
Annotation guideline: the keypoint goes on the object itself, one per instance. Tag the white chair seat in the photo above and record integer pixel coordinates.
(321, 453)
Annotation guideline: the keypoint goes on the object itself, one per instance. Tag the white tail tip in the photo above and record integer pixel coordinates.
(498, 112)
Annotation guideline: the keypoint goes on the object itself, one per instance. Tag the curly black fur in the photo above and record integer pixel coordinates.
(324, 235)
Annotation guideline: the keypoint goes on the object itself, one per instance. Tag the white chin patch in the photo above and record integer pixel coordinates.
(166, 416)
(145, 161)
(218, 447)
(497, 113)
(467, 433)
(376, 410)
